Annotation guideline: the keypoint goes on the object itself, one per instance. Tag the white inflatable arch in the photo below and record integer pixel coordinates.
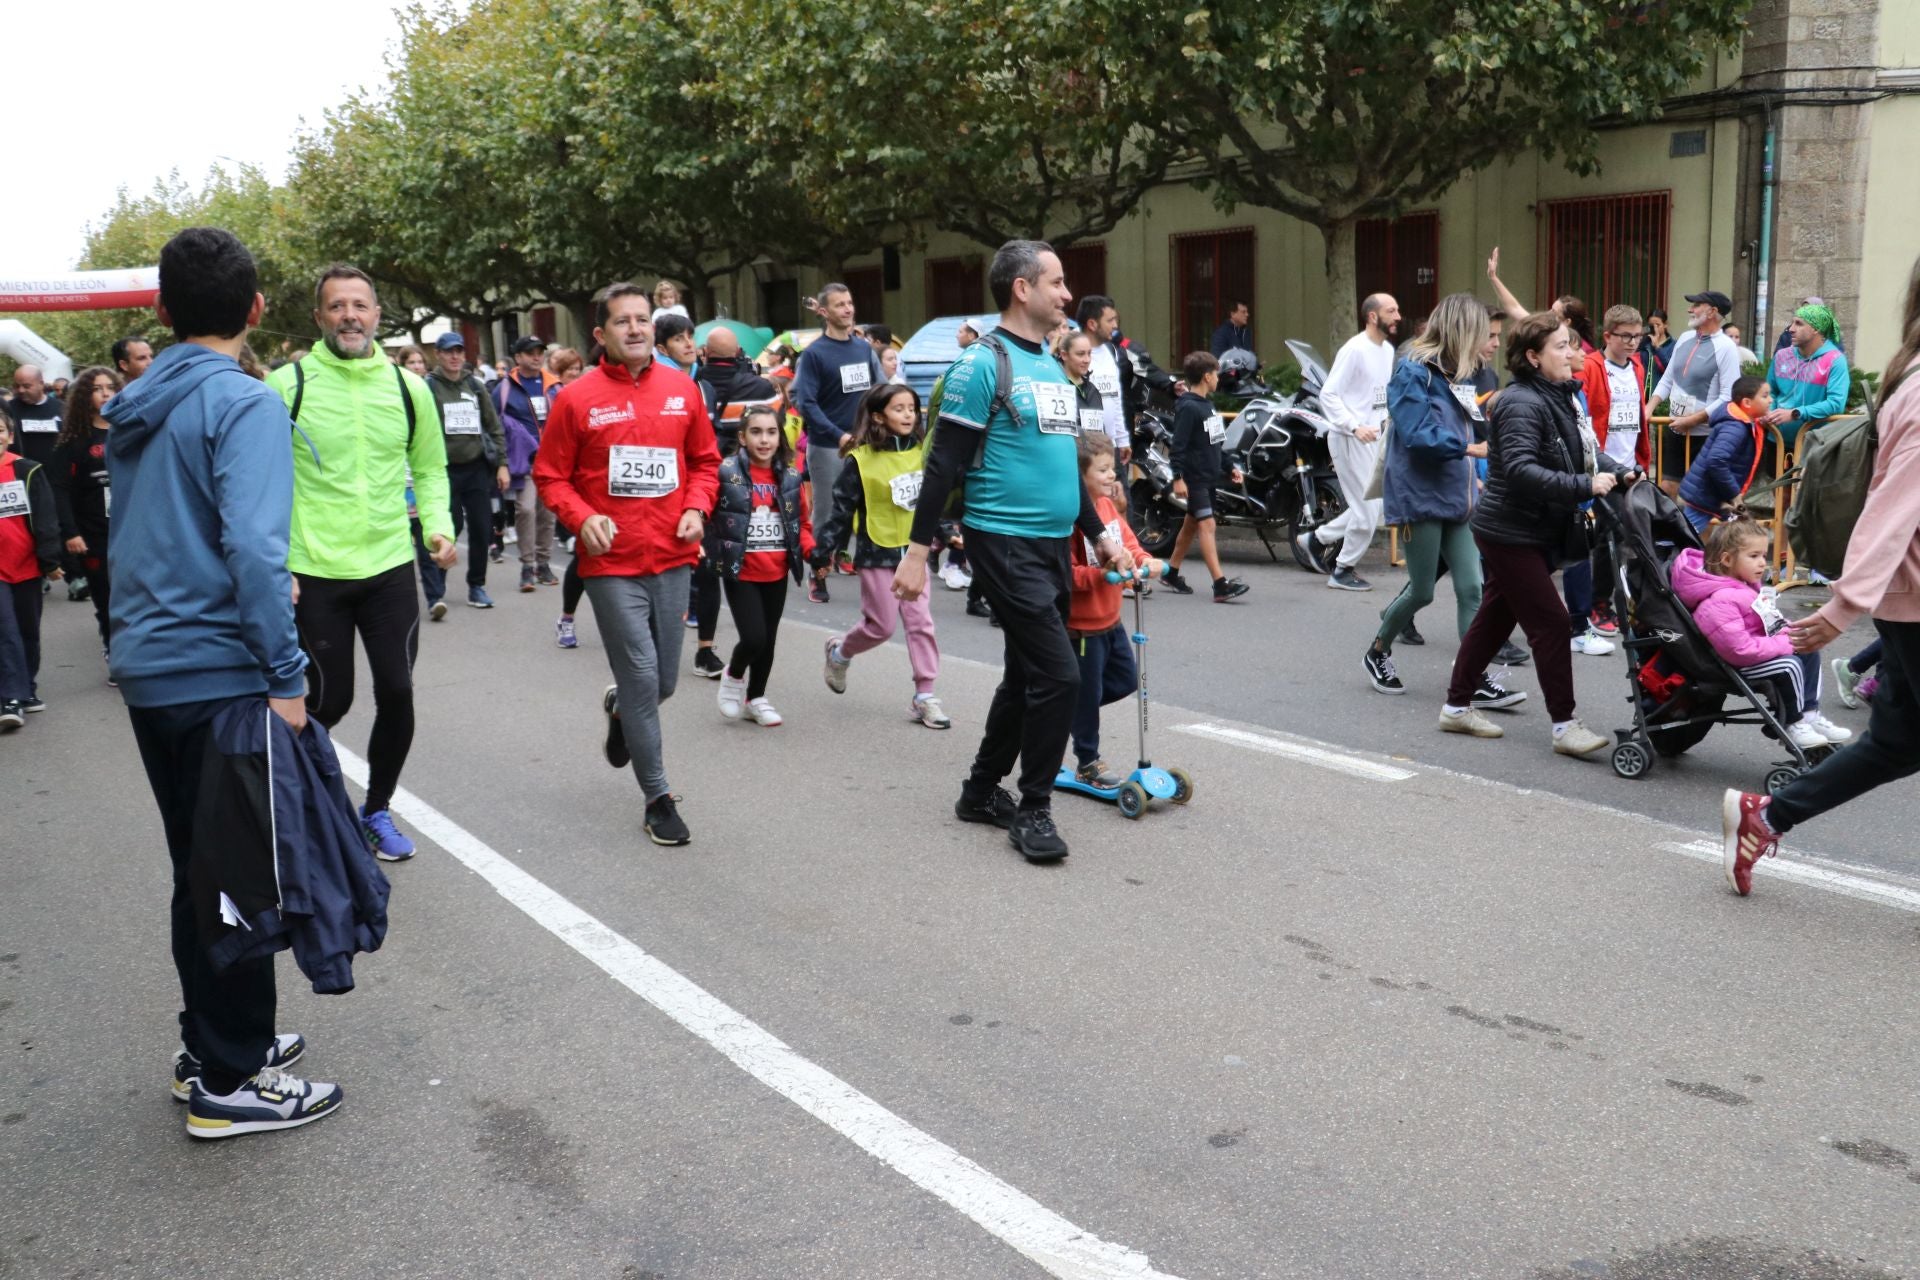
(82, 291)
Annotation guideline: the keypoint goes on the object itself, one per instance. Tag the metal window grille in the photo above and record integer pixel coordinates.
(1400, 257)
(1086, 268)
(955, 287)
(868, 286)
(1609, 249)
(1211, 269)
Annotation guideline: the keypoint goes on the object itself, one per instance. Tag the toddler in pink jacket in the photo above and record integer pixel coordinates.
(1744, 625)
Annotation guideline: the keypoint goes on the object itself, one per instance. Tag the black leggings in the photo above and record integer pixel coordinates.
(385, 610)
(706, 601)
(571, 587)
(99, 583)
(756, 607)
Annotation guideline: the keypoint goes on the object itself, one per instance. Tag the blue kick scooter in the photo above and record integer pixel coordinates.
(1146, 783)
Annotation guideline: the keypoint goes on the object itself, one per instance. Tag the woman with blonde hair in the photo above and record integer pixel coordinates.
(1430, 481)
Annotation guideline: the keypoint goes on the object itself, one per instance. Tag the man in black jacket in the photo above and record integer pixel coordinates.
(729, 378)
(1198, 430)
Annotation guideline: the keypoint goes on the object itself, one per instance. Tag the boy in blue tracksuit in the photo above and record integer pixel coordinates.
(1723, 470)
(201, 462)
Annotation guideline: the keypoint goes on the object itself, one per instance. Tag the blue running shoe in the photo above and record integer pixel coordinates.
(285, 1051)
(477, 598)
(388, 844)
(563, 634)
(271, 1100)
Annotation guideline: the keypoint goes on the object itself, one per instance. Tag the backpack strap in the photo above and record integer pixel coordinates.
(299, 389)
(406, 399)
(300, 394)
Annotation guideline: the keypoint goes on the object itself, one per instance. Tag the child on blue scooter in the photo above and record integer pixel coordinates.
(1107, 671)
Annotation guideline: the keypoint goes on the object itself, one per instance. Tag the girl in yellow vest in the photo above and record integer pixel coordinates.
(873, 503)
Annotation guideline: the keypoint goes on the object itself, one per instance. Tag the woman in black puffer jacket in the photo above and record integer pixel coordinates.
(1542, 467)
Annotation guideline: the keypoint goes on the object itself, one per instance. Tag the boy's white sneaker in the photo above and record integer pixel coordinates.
(763, 713)
(927, 710)
(1826, 728)
(1592, 643)
(1803, 735)
(956, 578)
(733, 694)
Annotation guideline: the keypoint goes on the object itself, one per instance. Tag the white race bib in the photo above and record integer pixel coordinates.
(642, 471)
(1216, 429)
(41, 426)
(1680, 404)
(1464, 393)
(855, 377)
(463, 417)
(1093, 422)
(1093, 552)
(906, 490)
(13, 498)
(539, 407)
(106, 497)
(1107, 381)
(1380, 400)
(1053, 402)
(1768, 608)
(765, 531)
(1623, 413)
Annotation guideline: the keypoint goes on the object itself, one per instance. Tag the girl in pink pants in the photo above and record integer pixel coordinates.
(873, 502)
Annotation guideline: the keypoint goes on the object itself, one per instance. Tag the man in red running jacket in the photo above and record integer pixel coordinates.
(629, 461)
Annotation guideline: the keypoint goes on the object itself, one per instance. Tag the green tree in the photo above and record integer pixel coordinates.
(1338, 110)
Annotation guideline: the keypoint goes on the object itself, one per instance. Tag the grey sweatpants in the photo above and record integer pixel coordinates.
(823, 468)
(640, 620)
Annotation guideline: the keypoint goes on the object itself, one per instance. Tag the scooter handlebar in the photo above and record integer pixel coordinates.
(1143, 574)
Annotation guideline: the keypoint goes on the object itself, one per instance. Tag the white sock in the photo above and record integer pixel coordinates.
(1561, 726)
(1448, 709)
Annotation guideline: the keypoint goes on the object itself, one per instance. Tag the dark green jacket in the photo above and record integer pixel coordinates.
(491, 443)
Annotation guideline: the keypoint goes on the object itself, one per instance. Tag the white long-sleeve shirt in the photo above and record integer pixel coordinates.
(1105, 375)
(1355, 394)
(1700, 375)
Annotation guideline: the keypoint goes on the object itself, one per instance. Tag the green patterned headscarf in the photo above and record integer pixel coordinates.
(1821, 318)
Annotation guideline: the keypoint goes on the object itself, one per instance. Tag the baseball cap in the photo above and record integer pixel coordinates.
(1714, 298)
(450, 341)
(529, 343)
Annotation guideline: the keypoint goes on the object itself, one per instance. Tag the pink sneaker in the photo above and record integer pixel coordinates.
(1867, 688)
(1745, 836)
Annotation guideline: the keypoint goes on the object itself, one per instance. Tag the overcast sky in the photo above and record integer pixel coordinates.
(90, 80)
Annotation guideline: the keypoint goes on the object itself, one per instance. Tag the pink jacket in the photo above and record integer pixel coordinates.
(1724, 609)
(1882, 573)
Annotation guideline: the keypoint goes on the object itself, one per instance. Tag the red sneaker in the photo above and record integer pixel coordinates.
(1604, 622)
(1745, 836)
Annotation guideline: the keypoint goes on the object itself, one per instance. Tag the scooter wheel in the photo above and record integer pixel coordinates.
(1182, 785)
(1132, 800)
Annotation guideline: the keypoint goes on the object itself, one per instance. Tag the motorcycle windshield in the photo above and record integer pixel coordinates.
(1313, 370)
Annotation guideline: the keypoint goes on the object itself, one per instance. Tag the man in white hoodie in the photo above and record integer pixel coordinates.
(1355, 401)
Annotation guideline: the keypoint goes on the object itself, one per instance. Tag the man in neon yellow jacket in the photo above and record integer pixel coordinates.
(361, 422)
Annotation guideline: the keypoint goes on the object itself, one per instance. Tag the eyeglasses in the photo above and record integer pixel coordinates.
(1625, 335)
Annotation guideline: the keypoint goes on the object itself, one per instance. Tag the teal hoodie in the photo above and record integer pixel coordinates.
(201, 462)
(1815, 387)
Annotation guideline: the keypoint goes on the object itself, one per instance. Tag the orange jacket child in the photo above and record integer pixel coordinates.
(1096, 602)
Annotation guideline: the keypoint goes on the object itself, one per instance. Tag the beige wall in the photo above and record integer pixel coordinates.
(1892, 230)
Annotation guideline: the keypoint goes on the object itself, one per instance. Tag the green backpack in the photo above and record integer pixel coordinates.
(1835, 468)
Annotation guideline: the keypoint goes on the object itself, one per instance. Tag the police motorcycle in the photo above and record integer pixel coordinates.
(1277, 442)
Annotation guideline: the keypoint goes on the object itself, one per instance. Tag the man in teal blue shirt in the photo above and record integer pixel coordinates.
(1009, 426)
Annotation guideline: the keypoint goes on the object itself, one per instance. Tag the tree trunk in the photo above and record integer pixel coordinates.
(1342, 281)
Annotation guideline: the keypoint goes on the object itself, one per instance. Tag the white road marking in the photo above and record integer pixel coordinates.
(1057, 1245)
(1323, 757)
(1841, 882)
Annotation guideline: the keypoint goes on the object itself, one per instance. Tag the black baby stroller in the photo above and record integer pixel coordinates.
(1678, 686)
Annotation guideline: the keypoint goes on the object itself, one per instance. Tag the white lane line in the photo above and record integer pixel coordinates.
(1048, 1239)
(1861, 887)
(1337, 761)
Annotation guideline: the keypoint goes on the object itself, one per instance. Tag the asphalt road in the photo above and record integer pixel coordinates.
(1400, 1005)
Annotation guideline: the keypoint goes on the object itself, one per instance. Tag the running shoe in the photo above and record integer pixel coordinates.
(1225, 589)
(1867, 688)
(437, 610)
(997, 809)
(664, 825)
(283, 1053)
(1469, 722)
(1309, 546)
(12, 716)
(563, 634)
(1380, 672)
(1603, 620)
(927, 710)
(1097, 773)
(546, 576)
(527, 583)
(33, 703)
(691, 617)
(1512, 655)
(1410, 634)
(477, 598)
(817, 591)
(1848, 681)
(1833, 733)
(388, 844)
(1035, 836)
(497, 554)
(271, 1100)
(1344, 578)
(1592, 643)
(843, 565)
(1491, 695)
(616, 744)
(1174, 582)
(836, 668)
(1745, 837)
(763, 713)
(1803, 734)
(732, 696)
(956, 578)
(977, 608)
(1578, 740)
(78, 590)
(707, 663)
